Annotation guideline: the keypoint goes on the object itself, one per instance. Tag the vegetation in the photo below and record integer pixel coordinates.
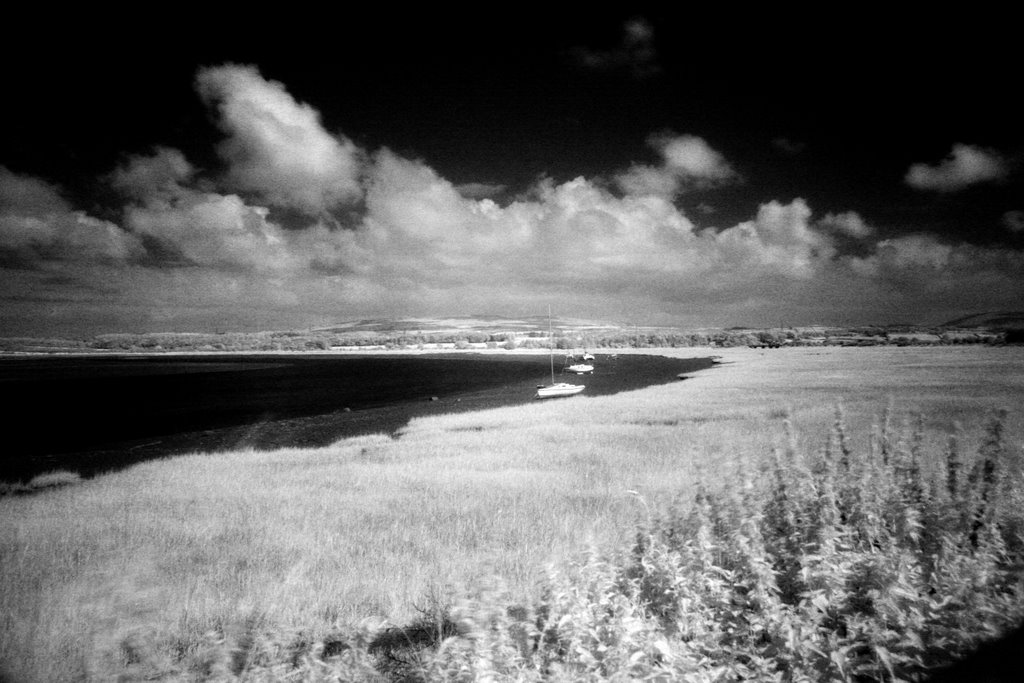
(566, 337)
(722, 537)
(844, 566)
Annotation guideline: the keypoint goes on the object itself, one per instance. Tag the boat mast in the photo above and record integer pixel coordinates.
(551, 347)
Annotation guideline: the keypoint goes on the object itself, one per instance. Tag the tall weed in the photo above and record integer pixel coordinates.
(842, 566)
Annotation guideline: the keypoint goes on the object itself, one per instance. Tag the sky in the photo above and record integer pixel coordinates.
(203, 173)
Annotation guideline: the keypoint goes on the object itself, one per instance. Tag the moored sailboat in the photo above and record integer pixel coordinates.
(556, 389)
(560, 389)
(580, 368)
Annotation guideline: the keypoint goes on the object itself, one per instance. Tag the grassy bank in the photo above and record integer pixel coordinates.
(151, 567)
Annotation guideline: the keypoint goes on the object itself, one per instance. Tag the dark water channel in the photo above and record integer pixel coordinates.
(92, 414)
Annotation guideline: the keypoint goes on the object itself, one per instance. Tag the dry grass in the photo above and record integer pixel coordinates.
(139, 567)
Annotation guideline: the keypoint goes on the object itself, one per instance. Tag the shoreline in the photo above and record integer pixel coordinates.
(441, 384)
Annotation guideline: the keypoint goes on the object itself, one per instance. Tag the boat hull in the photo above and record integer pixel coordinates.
(557, 390)
(580, 369)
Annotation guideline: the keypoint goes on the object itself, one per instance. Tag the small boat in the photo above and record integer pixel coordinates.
(559, 389)
(556, 389)
(571, 364)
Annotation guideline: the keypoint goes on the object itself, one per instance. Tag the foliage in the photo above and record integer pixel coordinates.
(323, 340)
(883, 565)
(835, 565)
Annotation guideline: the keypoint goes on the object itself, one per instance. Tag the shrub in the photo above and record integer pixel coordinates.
(884, 565)
(835, 565)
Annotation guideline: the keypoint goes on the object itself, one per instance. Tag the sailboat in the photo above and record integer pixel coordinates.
(571, 365)
(556, 389)
(580, 368)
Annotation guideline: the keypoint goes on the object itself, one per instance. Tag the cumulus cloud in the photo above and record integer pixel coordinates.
(72, 236)
(197, 251)
(161, 174)
(481, 190)
(691, 157)
(27, 196)
(643, 179)
(966, 165)
(914, 251)
(212, 230)
(687, 162)
(780, 239)
(37, 224)
(276, 147)
(920, 274)
(848, 223)
(636, 51)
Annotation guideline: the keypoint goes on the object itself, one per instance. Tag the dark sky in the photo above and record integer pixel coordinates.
(278, 169)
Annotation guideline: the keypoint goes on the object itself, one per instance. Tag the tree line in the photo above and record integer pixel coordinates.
(317, 340)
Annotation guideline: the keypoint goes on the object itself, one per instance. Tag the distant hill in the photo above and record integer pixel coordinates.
(1000, 321)
(478, 323)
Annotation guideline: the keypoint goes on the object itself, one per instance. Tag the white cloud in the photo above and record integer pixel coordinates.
(921, 277)
(914, 251)
(212, 230)
(480, 190)
(690, 157)
(72, 236)
(780, 239)
(687, 162)
(966, 165)
(162, 173)
(641, 179)
(423, 248)
(27, 196)
(848, 223)
(37, 224)
(277, 147)
(192, 253)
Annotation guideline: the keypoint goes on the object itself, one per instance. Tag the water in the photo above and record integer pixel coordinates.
(92, 414)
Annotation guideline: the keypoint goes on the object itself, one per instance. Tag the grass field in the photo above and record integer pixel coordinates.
(134, 571)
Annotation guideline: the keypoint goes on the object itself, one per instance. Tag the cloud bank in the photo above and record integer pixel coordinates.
(388, 235)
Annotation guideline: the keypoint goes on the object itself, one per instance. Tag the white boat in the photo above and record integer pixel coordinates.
(588, 356)
(580, 368)
(559, 389)
(556, 389)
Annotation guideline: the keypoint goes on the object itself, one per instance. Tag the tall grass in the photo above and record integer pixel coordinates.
(267, 564)
(832, 564)
(840, 566)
